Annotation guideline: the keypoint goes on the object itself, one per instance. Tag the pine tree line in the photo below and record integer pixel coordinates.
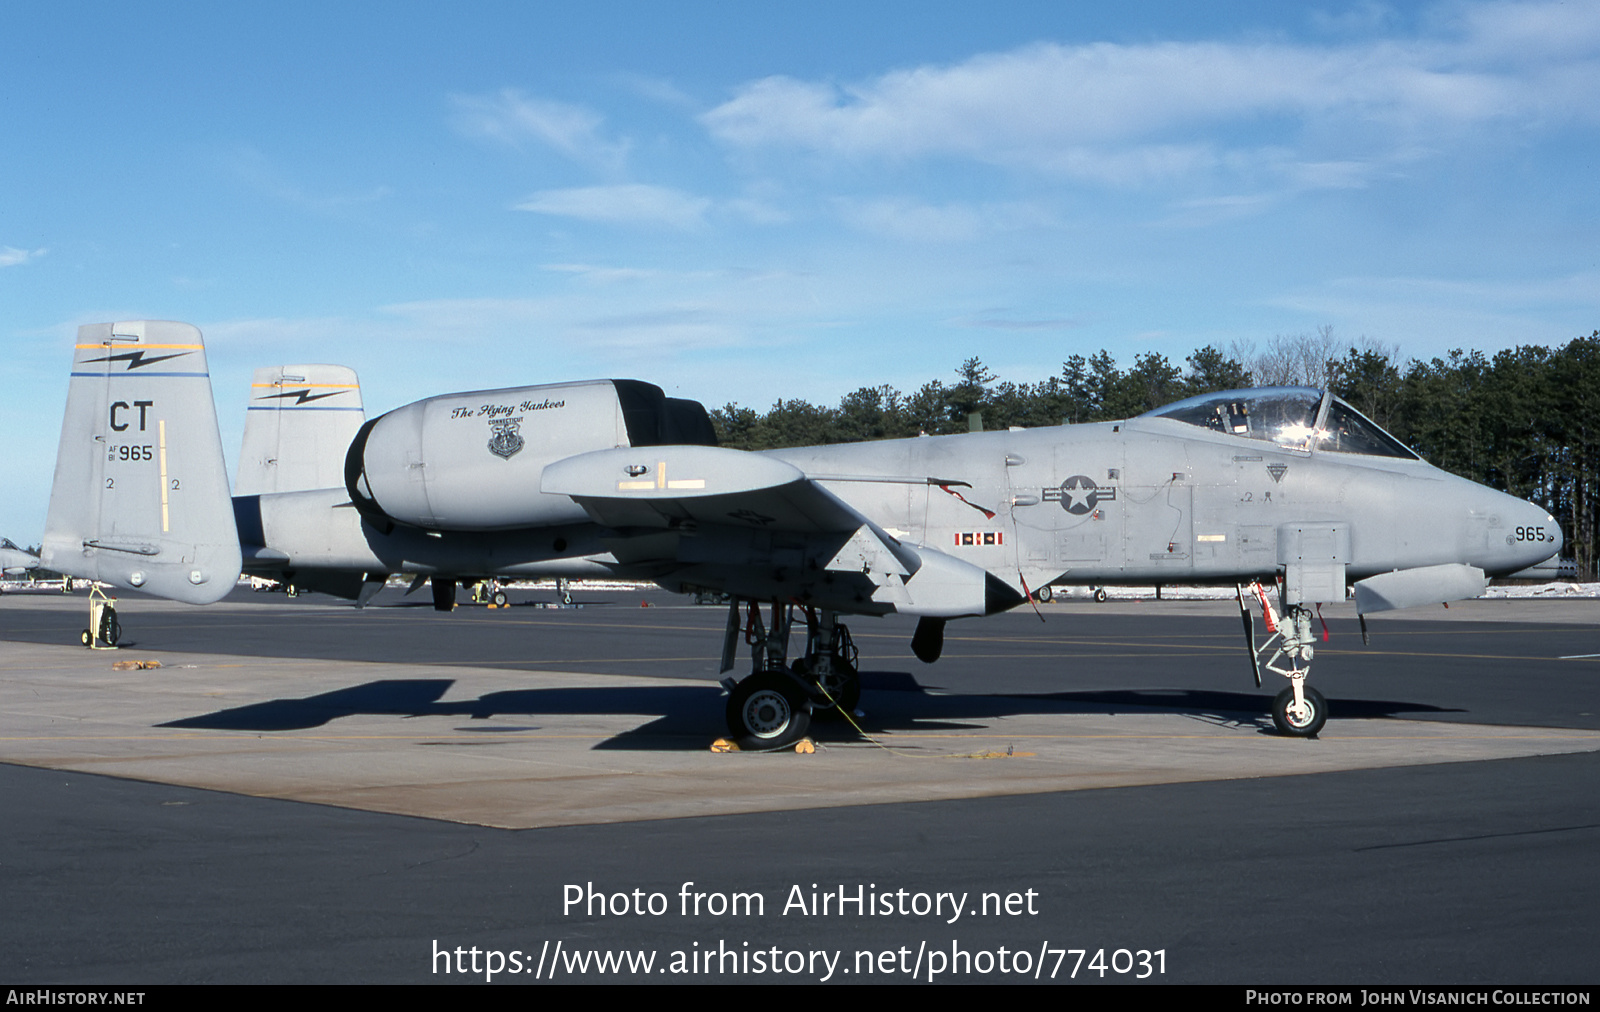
(1526, 420)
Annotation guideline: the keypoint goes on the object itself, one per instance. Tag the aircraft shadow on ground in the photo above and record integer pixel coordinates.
(684, 717)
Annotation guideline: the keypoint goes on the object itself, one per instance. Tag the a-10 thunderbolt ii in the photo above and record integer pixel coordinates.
(15, 561)
(610, 478)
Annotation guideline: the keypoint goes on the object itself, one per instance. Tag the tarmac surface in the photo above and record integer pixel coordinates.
(305, 792)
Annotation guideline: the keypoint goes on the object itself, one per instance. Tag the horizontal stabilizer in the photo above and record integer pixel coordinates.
(140, 498)
(1411, 588)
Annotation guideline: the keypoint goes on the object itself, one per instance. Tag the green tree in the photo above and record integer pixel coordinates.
(1210, 371)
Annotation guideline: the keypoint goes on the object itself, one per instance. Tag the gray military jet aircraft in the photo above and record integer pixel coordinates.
(610, 478)
(15, 561)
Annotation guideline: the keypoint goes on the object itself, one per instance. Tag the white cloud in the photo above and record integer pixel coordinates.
(10, 256)
(1004, 319)
(512, 117)
(623, 204)
(907, 219)
(656, 89)
(1446, 312)
(261, 174)
(1111, 112)
(914, 221)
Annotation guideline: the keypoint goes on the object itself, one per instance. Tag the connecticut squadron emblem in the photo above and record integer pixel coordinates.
(506, 441)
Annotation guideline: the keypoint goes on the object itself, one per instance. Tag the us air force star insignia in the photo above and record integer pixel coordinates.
(1277, 471)
(506, 441)
(1079, 494)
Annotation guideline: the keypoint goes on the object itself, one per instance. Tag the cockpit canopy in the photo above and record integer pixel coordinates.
(1296, 418)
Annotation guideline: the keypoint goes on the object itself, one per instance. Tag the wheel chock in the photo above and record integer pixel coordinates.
(805, 746)
(134, 665)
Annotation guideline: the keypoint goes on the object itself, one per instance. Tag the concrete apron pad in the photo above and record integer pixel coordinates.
(524, 749)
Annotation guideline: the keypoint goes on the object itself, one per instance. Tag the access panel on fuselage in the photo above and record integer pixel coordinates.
(1158, 508)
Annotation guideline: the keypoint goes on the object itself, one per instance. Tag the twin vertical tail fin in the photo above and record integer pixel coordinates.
(299, 426)
(140, 499)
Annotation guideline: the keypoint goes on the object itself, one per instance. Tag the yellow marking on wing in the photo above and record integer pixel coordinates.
(661, 474)
(687, 483)
(119, 344)
(634, 486)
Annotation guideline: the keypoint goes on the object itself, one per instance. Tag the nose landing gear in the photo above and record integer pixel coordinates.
(1299, 711)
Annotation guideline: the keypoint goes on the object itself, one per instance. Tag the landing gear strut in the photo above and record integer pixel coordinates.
(1299, 711)
(773, 706)
(829, 665)
(770, 708)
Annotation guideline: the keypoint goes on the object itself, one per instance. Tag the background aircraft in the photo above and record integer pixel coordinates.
(15, 561)
(611, 478)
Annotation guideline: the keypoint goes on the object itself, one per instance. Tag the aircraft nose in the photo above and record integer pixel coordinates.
(1537, 535)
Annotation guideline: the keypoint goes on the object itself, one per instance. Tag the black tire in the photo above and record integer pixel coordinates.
(110, 628)
(88, 638)
(500, 599)
(1045, 595)
(1100, 595)
(1299, 727)
(768, 710)
(843, 686)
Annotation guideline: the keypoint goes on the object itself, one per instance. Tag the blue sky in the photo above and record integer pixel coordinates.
(744, 201)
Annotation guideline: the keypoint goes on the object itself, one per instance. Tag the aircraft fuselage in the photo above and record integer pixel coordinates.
(1147, 500)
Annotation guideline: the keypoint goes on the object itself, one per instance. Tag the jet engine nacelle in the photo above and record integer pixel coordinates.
(473, 461)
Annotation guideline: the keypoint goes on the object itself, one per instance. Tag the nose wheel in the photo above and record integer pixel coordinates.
(1299, 718)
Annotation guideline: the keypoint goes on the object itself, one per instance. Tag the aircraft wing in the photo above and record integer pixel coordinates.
(762, 515)
(666, 486)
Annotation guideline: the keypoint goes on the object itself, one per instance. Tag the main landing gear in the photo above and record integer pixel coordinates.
(1299, 711)
(772, 707)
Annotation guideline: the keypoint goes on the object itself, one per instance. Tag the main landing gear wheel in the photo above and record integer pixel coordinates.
(841, 682)
(500, 599)
(768, 710)
(1100, 596)
(1302, 722)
